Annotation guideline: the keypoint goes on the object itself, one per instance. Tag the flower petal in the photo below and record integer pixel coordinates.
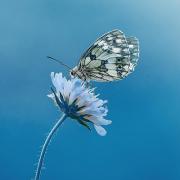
(100, 130)
(98, 120)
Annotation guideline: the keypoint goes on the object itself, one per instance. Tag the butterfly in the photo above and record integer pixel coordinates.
(111, 57)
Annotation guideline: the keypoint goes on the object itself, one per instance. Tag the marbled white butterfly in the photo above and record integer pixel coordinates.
(112, 57)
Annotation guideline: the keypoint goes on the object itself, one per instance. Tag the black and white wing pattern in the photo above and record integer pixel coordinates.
(111, 57)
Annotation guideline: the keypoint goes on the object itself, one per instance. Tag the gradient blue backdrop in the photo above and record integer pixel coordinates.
(143, 143)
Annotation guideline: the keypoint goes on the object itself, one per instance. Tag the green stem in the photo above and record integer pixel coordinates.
(45, 145)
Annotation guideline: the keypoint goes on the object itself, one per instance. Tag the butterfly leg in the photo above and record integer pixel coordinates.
(86, 83)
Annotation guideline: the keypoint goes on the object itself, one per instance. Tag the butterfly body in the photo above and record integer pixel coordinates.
(112, 57)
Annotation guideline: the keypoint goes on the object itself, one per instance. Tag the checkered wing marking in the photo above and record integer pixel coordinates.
(133, 44)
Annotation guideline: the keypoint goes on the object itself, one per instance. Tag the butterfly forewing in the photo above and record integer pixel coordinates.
(111, 57)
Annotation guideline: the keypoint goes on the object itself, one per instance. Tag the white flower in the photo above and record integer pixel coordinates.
(79, 102)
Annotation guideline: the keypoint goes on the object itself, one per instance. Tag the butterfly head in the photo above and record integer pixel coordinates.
(75, 72)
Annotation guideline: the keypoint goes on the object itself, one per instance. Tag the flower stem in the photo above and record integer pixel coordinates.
(45, 145)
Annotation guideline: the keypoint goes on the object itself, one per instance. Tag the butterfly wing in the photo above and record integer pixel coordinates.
(111, 57)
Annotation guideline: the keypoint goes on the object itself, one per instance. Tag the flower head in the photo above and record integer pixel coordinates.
(79, 102)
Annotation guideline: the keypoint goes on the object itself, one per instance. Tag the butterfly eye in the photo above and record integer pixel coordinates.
(72, 73)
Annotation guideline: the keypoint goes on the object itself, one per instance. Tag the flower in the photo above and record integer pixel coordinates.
(79, 102)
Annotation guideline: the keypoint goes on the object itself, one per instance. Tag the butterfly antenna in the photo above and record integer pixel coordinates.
(58, 61)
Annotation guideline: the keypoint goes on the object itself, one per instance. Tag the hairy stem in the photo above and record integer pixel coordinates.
(45, 145)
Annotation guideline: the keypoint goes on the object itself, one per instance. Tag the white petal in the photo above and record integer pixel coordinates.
(100, 130)
(84, 99)
(98, 120)
(58, 81)
(74, 95)
(51, 96)
(100, 102)
(67, 89)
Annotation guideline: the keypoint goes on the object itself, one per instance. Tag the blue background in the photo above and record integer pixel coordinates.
(143, 143)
